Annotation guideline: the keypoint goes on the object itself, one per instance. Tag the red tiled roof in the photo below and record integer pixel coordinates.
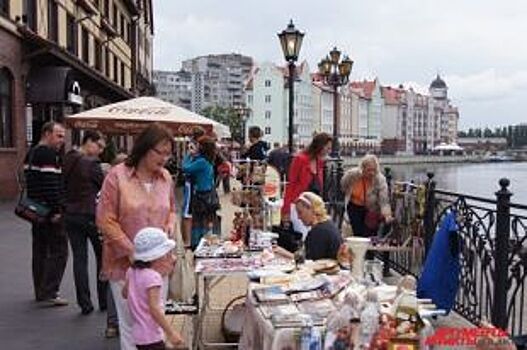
(367, 87)
(391, 96)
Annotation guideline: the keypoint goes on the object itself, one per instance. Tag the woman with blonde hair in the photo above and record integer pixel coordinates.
(323, 240)
(367, 197)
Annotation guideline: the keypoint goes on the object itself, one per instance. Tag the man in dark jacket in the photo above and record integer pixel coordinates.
(258, 148)
(44, 181)
(279, 158)
(83, 178)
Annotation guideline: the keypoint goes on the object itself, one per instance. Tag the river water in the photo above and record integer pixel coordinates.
(478, 179)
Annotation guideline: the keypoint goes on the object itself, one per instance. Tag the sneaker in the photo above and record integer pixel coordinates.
(54, 302)
(111, 332)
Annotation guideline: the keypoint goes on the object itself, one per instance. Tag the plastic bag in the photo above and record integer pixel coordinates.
(182, 283)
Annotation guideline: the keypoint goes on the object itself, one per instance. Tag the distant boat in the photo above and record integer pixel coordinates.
(500, 158)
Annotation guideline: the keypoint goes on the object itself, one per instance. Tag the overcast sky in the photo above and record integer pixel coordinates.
(479, 47)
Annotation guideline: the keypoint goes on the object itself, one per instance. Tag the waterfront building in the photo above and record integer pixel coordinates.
(267, 96)
(483, 144)
(369, 111)
(218, 80)
(323, 107)
(413, 122)
(61, 57)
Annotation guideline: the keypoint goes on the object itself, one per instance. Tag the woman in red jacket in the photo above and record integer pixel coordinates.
(306, 174)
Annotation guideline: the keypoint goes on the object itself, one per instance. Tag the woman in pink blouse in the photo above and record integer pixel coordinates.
(136, 194)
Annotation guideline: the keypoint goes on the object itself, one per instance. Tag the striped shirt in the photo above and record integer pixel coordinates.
(44, 180)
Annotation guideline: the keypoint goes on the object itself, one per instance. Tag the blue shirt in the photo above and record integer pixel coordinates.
(200, 171)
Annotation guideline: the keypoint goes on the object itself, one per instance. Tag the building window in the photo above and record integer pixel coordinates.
(115, 17)
(107, 64)
(106, 9)
(267, 83)
(85, 45)
(71, 35)
(4, 7)
(123, 27)
(30, 12)
(267, 114)
(115, 69)
(268, 130)
(267, 98)
(53, 24)
(98, 54)
(123, 75)
(6, 109)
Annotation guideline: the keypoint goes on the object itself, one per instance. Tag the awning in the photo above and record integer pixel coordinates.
(52, 85)
(134, 115)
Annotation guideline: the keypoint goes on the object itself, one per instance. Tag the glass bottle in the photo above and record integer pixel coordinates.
(369, 318)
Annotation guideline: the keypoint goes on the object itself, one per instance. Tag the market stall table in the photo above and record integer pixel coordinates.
(211, 271)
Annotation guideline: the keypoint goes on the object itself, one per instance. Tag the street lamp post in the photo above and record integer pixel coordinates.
(243, 113)
(291, 41)
(335, 73)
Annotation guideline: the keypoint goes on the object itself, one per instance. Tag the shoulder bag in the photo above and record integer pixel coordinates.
(29, 209)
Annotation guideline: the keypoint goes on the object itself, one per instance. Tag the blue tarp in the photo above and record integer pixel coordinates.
(439, 279)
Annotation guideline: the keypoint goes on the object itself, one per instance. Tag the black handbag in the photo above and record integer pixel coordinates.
(32, 211)
(288, 238)
(29, 209)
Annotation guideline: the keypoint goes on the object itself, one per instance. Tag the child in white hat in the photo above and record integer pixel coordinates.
(143, 291)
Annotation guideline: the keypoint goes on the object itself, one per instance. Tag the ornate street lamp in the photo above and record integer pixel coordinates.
(291, 41)
(335, 73)
(243, 113)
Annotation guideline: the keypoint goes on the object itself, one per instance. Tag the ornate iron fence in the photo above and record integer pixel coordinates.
(492, 239)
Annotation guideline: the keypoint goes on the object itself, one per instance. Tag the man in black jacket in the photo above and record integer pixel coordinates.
(83, 178)
(43, 173)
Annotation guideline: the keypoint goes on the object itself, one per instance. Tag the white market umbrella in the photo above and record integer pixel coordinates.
(134, 115)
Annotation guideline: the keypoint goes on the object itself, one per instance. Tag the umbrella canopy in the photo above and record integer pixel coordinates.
(134, 115)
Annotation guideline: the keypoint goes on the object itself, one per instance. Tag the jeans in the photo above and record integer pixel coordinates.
(81, 228)
(50, 255)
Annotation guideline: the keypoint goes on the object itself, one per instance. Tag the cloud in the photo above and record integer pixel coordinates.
(476, 47)
(487, 85)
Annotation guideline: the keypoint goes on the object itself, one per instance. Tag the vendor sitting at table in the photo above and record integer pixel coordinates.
(323, 240)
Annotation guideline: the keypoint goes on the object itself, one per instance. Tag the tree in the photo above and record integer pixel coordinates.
(487, 132)
(227, 116)
(461, 134)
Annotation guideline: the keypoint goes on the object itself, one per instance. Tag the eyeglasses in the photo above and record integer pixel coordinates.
(166, 154)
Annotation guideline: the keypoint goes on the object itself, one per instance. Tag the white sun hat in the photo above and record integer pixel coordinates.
(152, 243)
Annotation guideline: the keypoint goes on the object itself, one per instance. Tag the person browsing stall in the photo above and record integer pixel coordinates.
(143, 290)
(367, 195)
(323, 241)
(198, 166)
(136, 194)
(306, 173)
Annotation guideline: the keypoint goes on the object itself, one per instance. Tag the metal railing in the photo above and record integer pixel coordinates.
(492, 237)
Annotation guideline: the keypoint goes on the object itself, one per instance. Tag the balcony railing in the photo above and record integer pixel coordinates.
(492, 237)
